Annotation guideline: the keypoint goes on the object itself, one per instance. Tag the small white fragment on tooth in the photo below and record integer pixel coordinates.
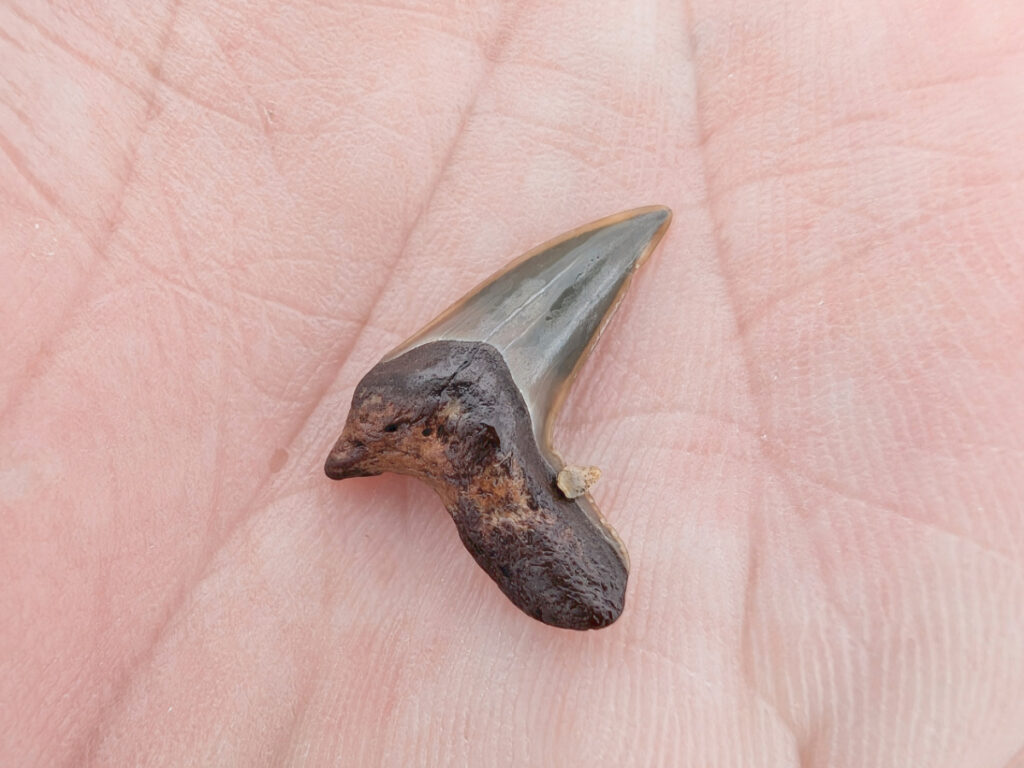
(574, 481)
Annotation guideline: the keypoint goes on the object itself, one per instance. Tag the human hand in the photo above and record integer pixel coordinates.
(808, 410)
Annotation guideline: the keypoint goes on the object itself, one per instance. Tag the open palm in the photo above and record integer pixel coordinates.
(809, 411)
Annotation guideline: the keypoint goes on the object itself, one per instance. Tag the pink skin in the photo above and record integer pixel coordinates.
(809, 410)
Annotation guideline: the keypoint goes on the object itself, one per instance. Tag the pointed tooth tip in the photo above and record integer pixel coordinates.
(644, 226)
(659, 212)
(657, 217)
(642, 229)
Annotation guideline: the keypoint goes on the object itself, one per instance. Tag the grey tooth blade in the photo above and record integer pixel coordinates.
(544, 311)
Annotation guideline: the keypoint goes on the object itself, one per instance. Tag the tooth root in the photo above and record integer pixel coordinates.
(472, 441)
(345, 460)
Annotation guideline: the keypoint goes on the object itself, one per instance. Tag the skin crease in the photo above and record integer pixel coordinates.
(217, 216)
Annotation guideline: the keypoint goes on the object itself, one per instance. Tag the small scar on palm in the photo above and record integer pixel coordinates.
(277, 460)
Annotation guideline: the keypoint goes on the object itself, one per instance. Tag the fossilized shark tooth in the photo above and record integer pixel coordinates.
(467, 404)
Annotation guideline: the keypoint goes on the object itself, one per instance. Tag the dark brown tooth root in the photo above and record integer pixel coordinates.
(449, 412)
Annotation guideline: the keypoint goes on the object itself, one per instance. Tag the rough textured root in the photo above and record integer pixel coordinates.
(449, 412)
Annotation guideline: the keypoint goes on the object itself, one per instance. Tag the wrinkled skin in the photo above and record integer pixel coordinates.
(809, 411)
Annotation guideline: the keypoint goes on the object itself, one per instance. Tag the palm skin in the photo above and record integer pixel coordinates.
(808, 410)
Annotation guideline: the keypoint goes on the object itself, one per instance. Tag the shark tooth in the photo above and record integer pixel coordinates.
(467, 405)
